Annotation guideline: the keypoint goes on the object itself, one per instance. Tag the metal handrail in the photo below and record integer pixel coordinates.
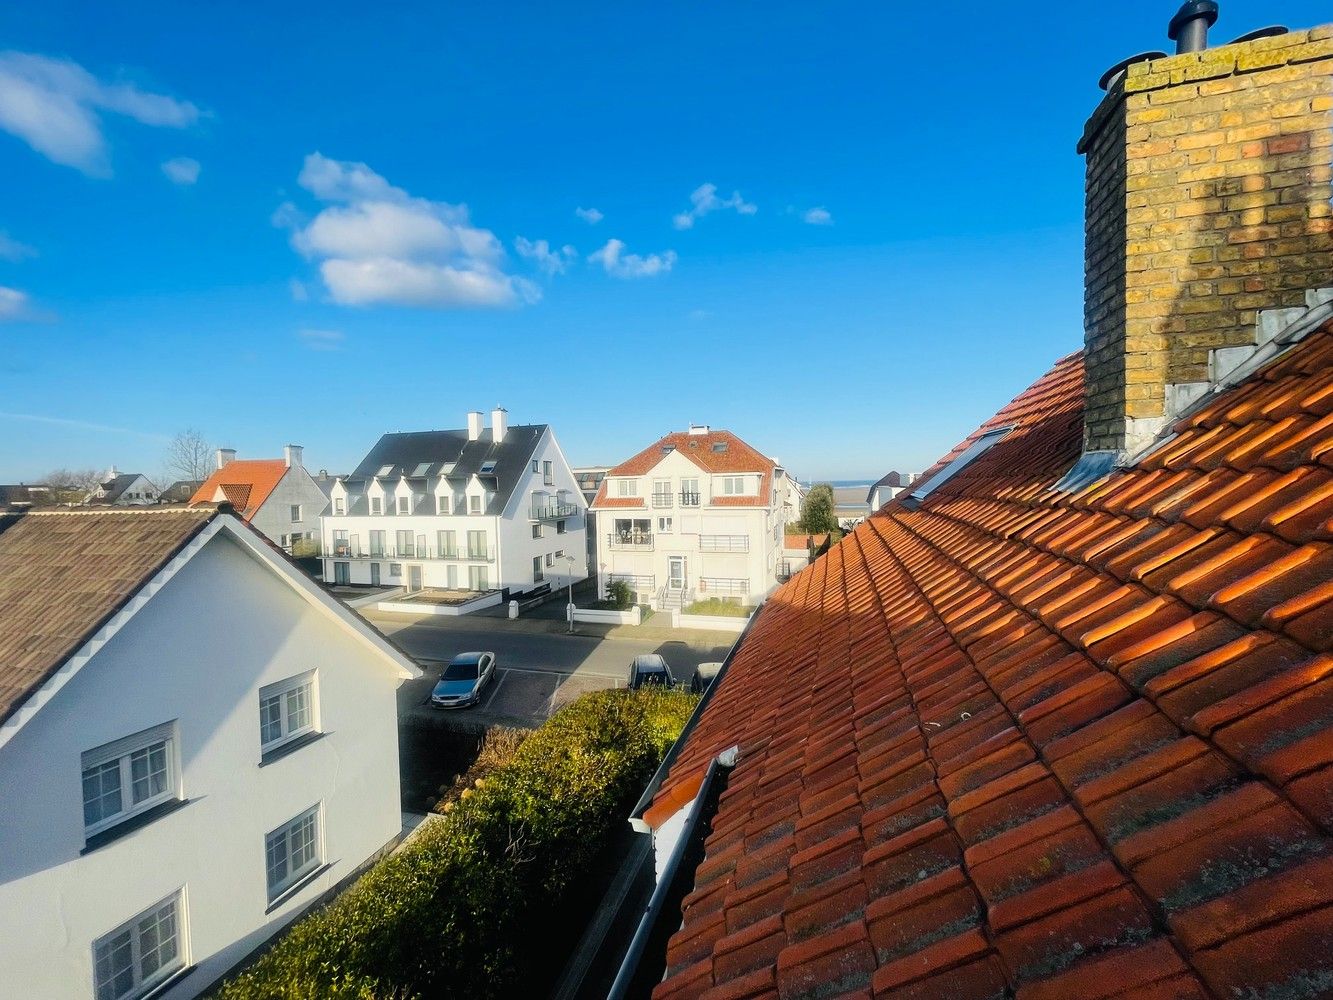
(641, 540)
(689, 499)
(553, 511)
(662, 499)
(724, 543)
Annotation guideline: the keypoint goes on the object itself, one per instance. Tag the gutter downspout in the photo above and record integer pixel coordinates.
(651, 936)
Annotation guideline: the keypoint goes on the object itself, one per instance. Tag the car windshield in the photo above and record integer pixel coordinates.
(460, 671)
(652, 675)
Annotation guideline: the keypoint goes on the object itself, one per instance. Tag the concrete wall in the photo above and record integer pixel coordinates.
(197, 654)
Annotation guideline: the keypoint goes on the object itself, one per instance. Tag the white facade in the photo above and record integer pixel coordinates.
(139, 492)
(186, 661)
(682, 541)
(441, 541)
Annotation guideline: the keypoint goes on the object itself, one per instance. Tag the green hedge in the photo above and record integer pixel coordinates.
(455, 913)
(729, 607)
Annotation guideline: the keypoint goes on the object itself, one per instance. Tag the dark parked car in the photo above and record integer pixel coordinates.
(463, 680)
(650, 668)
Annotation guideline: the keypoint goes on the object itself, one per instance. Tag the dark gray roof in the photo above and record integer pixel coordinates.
(424, 456)
(115, 487)
(890, 479)
(180, 491)
(24, 495)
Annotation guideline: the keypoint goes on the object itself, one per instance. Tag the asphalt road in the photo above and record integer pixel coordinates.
(536, 673)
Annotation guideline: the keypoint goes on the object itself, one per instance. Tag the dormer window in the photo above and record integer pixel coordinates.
(442, 504)
(338, 505)
(627, 487)
(404, 505)
(474, 504)
(375, 507)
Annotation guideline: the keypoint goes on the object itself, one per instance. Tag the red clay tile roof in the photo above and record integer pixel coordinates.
(1019, 742)
(245, 484)
(698, 448)
(64, 573)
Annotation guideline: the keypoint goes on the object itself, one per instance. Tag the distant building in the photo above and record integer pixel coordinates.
(24, 496)
(275, 495)
(850, 506)
(123, 489)
(696, 514)
(197, 743)
(180, 491)
(887, 488)
(476, 509)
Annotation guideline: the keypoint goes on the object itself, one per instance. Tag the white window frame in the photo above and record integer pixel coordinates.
(122, 753)
(338, 505)
(287, 692)
(664, 526)
(734, 486)
(474, 504)
(375, 506)
(627, 487)
(296, 513)
(293, 874)
(442, 504)
(404, 505)
(138, 936)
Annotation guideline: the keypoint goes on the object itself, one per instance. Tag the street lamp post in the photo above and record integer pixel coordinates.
(569, 609)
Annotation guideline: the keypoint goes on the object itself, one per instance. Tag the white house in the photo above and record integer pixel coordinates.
(697, 514)
(888, 487)
(276, 496)
(123, 489)
(477, 509)
(196, 743)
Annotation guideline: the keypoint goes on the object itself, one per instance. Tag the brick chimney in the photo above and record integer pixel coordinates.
(1208, 187)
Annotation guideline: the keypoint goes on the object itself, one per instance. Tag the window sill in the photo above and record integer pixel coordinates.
(128, 826)
(169, 983)
(286, 895)
(291, 746)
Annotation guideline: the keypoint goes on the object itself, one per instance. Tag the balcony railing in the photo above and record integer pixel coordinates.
(636, 541)
(689, 499)
(553, 511)
(422, 552)
(661, 499)
(724, 543)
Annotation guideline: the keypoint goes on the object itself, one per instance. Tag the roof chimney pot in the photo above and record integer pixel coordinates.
(1189, 28)
(226, 455)
(291, 454)
(474, 425)
(499, 424)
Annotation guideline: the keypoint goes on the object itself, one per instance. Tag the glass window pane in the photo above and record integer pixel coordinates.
(298, 709)
(148, 771)
(101, 792)
(157, 940)
(277, 858)
(114, 967)
(270, 719)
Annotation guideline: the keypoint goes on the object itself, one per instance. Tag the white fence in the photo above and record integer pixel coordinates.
(715, 623)
(631, 617)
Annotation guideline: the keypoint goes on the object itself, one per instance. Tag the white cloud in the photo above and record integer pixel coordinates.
(53, 105)
(12, 249)
(589, 215)
(817, 216)
(704, 200)
(549, 262)
(619, 264)
(13, 304)
(378, 244)
(323, 340)
(181, 170)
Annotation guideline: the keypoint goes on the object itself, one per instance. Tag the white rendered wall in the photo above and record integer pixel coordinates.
(197, 653)
(274, 518)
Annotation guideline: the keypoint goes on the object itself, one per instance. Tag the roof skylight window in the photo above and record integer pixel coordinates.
(968, 455)
(421, 469)
(487, 468)
(719, 446)
(668, 448)
(384, 470)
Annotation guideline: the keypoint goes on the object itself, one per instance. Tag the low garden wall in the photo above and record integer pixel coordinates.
(714, 623)
(633, 616)
(424, 608)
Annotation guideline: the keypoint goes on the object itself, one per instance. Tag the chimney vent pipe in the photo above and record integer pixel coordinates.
(1189, 28)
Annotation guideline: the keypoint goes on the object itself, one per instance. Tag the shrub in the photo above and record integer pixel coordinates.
(498, 747)
(455, 912)
(620, 594)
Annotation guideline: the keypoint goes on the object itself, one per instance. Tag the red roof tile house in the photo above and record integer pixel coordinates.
(277, 496)
(1057, 721)
(696, 514)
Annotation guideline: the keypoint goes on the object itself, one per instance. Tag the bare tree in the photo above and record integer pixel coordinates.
(72, 485)
(189, 457)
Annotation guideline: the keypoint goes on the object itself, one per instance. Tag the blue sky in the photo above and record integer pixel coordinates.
(314, 223)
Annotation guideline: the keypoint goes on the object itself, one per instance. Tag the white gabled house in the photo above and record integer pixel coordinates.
(276, 496)
(196, 743)
(124, 489)
(479, 509)
(697, 514)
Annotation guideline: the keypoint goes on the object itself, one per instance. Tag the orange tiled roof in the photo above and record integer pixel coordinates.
(244, 483)
(1019, 742)
(698, 448)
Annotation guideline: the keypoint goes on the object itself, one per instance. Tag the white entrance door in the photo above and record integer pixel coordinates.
(374, 574)
(413, 578)
(675, 572)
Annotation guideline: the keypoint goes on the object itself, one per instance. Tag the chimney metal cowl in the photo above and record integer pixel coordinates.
(1189, 28)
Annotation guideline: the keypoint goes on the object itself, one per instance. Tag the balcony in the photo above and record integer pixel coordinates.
(689, 499)
(414, 553)
(661, 499)
(724, 543)
(630, 541)
(553, 511)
